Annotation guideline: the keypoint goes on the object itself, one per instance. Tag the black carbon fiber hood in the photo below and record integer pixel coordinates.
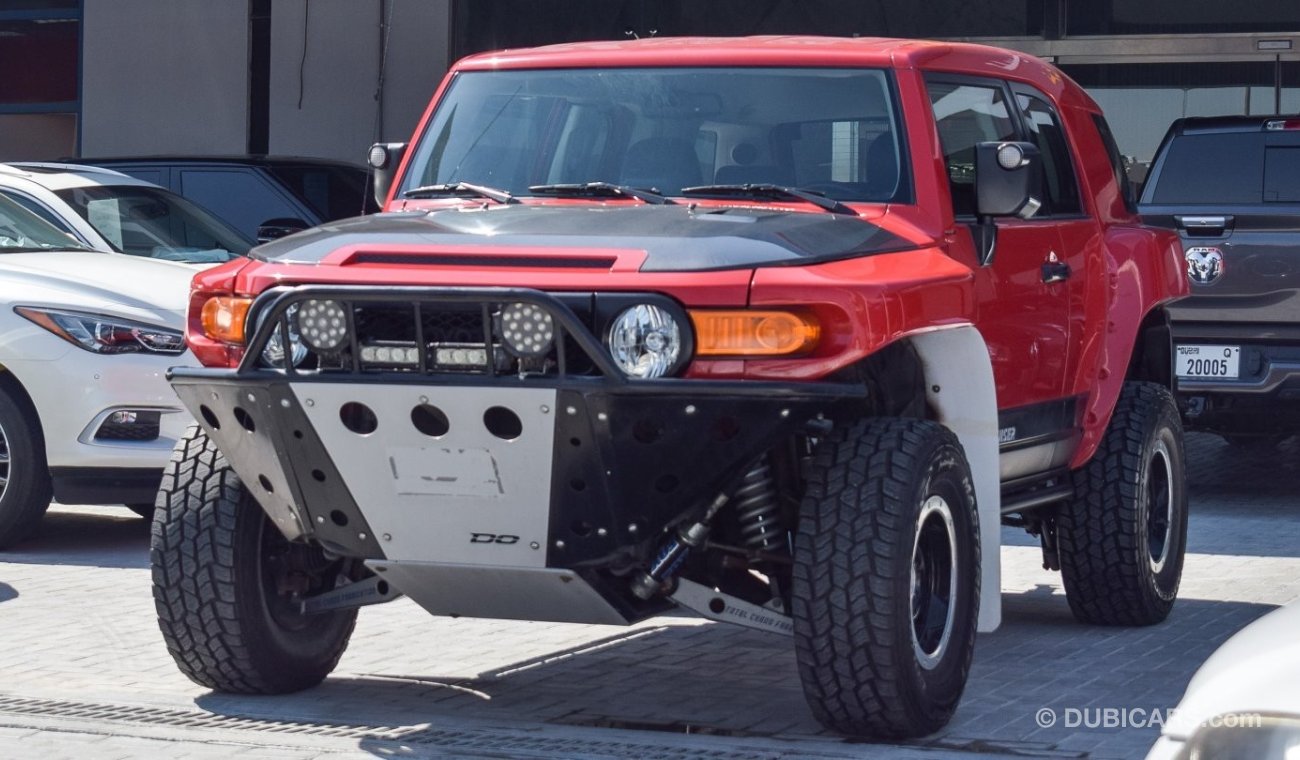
(676, 238)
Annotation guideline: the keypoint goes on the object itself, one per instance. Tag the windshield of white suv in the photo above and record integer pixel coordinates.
(150, 221)
(21, 231)
(834, 132)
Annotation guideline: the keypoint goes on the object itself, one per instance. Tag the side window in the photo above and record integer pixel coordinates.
(241, 199)
(967, 114)
(1058, 168)
(1116, 162)
(38, 209)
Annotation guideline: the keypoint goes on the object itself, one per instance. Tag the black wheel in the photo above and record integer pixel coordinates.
(886, 578)
(1122, 537)
(144, 510)
(25, 488)
(226, 583)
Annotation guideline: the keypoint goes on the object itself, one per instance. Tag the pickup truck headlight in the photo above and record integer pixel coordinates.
(1264, 737)
(106, 334)
(645, 341)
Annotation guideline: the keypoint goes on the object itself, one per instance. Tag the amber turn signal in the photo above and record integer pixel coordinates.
(748, 332)
(224, 316)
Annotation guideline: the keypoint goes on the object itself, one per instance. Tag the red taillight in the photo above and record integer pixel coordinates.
(1279, 125)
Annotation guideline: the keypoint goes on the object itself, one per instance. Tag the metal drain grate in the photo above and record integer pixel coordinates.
(518, 743)
(158, 716)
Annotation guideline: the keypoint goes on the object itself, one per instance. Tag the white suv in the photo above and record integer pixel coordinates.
(110, 211)
(86, 338)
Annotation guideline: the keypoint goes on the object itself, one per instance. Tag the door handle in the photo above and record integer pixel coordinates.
(1055, 270)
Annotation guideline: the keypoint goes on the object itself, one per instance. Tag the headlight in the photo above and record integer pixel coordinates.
(645, 341)
(273, 354)
(1255, 736)
(104, 334)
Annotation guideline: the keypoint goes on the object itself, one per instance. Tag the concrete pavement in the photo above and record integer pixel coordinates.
(84, 673)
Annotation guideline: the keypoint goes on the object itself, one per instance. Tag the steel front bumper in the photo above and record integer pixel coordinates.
(539, 520)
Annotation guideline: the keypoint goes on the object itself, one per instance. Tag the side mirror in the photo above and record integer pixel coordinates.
(272, 229)
(1008, 182)
(1008, 179)
(384, 159)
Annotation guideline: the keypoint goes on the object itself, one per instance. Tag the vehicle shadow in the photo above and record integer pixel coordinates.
(723, 681)
(85, 536)
(7, 592)
(1244, 501)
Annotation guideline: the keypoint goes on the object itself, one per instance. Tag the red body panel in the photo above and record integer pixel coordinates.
(1046, 341)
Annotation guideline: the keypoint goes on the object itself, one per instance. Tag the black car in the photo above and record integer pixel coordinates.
(1230, 186)
(264, 197)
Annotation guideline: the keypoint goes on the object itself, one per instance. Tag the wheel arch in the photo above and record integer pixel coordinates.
(961, 396)
(9, 382)
(1152, 358)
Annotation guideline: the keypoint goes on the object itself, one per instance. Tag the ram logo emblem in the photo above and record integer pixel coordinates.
(1204, 265)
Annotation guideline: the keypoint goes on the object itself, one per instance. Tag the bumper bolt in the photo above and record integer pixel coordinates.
(361, 536)
(534, 546)
(602, 416)
(545, 409)
(388, 536)
(632, 528)
(559, 544)
(320, 518)
(785, 412)
(601, 532)
(690, 409)
(571, 411)
(284, 402)
(424, 399)
(309, 402)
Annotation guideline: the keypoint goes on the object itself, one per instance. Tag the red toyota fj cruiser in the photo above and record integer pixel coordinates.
(779, 330)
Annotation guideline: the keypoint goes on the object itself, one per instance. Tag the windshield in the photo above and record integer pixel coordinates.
(150, 221)
(830, 131)
(22, 231)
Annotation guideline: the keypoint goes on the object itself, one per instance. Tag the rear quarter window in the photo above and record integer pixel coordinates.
(1223, 168)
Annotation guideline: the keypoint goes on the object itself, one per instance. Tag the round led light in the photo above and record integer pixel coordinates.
(1010, 156)
(645, 341)
(323, 325)
(527, 329)
(378, 156)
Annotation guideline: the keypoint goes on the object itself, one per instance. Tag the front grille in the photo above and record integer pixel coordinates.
(436, 336)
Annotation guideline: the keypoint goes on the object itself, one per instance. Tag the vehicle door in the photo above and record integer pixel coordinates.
(1023, 317)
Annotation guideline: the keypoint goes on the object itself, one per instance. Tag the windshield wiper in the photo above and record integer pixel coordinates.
(40, 248)
(600, 189)
(461, 188)
(770, 191)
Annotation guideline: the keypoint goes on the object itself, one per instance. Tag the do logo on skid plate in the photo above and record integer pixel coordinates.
(1204, 265)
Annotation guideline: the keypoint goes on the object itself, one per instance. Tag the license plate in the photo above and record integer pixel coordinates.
(1211, 362)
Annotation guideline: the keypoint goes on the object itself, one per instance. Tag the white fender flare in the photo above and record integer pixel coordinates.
(959, 386)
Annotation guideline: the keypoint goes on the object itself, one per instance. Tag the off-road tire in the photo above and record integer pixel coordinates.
(208, 588)
(28, 490)
(852, 583)
(1104, 533)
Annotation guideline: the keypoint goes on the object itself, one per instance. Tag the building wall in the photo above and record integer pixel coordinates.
(163, 77)
(324, 104)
